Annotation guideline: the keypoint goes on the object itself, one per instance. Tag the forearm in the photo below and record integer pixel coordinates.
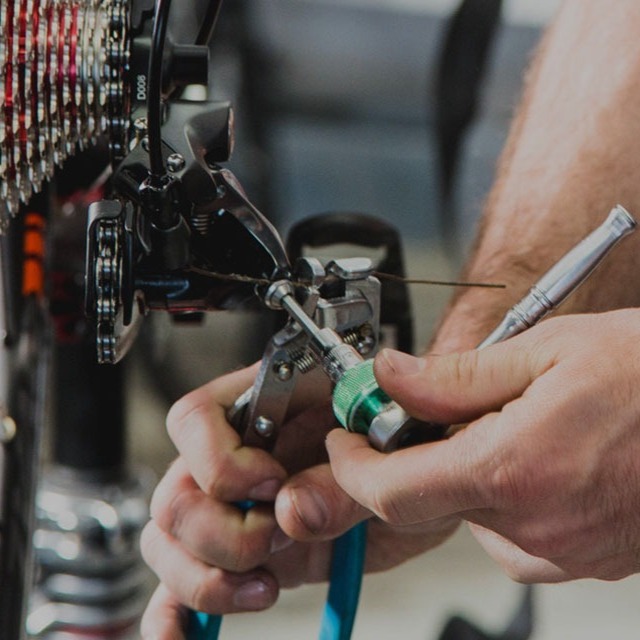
(571, 155)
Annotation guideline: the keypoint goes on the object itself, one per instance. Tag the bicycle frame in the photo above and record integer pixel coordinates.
(24, 357)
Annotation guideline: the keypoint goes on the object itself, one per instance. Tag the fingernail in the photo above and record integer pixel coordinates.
(253, 596)
(266, 491)
(311, 508)
(401, 363)
(280, 541)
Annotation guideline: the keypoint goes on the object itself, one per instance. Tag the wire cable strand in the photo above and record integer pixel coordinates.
(154, 90)
(209, 22)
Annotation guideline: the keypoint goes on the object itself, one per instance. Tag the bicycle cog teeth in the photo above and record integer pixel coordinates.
(63, 65)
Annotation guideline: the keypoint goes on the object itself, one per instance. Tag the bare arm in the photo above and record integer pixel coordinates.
(573, 152)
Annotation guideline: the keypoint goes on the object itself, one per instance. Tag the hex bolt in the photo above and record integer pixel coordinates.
(175, 162)
(264, 427)
(140, 127)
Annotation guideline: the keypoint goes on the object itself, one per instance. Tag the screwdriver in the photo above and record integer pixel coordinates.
(564, 277)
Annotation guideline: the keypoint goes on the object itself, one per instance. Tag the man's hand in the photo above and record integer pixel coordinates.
(213, 557)
(548, 470)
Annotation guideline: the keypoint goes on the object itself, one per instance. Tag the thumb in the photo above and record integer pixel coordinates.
(459, 387)
(312, 506)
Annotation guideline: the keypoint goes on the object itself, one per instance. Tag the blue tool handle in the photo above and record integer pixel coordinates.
(347, 567)
(202, 626)
(339, 614)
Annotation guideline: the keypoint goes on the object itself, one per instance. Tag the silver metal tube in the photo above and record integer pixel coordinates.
(335, 356)
(564, 277)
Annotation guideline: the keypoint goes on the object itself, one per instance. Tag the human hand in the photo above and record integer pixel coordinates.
(212, 557)
(548, 470)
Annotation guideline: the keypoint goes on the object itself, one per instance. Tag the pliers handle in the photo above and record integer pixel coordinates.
(339, 614)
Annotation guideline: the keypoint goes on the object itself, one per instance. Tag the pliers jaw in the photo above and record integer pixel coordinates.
(343, 297)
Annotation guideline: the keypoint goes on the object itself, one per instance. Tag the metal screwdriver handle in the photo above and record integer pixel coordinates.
(564, 277)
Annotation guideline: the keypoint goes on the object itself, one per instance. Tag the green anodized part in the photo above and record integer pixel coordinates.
(357, 398)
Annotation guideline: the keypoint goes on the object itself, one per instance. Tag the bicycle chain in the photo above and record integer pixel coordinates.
(108, 286)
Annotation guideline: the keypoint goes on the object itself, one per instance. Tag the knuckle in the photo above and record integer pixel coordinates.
(211, 481)
(553, 337)
(157, 502)
(176, 513)
(150, 540)
(613, 571)
(542, 541)
(463, 365)
(179, 410)
(247, 553)
(184, 413)
(218, 469)
(170, 505)
(160, 504)
(386, 506)
(520, 573)
(509, 482)
(204, 591)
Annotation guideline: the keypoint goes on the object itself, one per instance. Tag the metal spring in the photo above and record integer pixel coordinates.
(361, 339)
(303, 360)
(200, 222)
(351, 337)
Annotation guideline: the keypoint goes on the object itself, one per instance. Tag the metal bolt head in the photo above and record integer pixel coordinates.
(175, 162)
(140, 127)
(365, 345)
(284, 371)
(264, 427)
(8, 429)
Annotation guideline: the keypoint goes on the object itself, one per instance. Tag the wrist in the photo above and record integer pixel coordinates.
(469, 319)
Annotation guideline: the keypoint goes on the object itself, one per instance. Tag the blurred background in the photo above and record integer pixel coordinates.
(338, 109)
